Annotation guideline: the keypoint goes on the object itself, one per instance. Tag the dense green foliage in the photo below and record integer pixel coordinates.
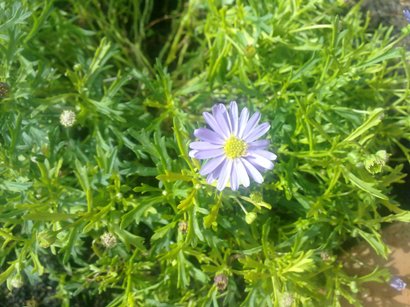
(113, 209)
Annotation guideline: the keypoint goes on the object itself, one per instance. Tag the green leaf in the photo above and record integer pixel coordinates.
(210, 219)
(14, 186)
(373, 120)
(173, 177)
(161, 232)
(365, 186)
(136, 213)
(7, 273)
(48, 216)
(374, 239)
(187, 202)
(129, 239)
(400, 217)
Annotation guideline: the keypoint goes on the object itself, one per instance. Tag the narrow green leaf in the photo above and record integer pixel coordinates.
(48, 216)
(365, 186)
(129, 239)
(161, 232)
(375, 241)
(173, 177)
(7, 273)
(373, 120)
(210, 219)
(187, 202)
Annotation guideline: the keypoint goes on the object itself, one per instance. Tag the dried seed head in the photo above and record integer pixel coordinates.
(325, 256)
(32, 303)
(67, 118)
(287, 300)
(183, 227)
(4, 89)
(221, 282)
(108, 240)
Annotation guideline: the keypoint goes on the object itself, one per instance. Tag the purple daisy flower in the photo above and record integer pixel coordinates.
(406, 14)
(231, 147)
(397, 283)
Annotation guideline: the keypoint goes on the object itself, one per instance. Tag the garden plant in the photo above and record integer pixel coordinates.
(197, 152)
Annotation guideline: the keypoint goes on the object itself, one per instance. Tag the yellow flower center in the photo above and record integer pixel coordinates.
(235, 148)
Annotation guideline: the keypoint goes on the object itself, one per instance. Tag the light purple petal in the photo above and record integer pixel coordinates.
(260, 144)
(211, 165)
(207, 154)
(251, 124)
(225, 174)
(210, 178)
(233, 108)
(242, 174)
(211, 121)
(252, 171)
(204, 146)
(255, 159)
(234, 177)
(222, 119)
(257, 132)
(192, 153)
(207, 135)
(215, 174)
(243, 119)
(264, 153)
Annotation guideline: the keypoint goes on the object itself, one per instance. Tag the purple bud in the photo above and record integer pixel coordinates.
(397, 283)
(406, 14)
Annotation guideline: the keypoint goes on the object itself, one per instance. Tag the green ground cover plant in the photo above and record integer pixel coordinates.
(99, 199)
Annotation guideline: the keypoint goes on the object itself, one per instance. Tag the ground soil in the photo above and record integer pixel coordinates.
(362, 260)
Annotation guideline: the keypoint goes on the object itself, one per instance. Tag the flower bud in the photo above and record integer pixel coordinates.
(183, 227)
(221, 282)
(17, 281)
(250, 217)
(375, 163)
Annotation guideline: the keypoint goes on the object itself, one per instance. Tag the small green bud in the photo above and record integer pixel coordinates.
(375, 163)
(250, 217)
(17, 281)
(78, 67)
(353, 287)
(250, 51)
